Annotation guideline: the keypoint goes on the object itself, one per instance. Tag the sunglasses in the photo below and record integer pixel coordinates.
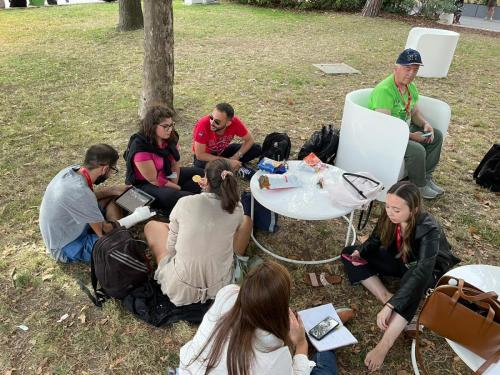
(169, 126)
(212, 119)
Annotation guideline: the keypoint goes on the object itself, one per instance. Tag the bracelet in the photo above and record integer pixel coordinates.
(389, 306)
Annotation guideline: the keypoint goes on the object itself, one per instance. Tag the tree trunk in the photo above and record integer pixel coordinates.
(371, 8)
(130, 15)
(158, 77)
(2, 4)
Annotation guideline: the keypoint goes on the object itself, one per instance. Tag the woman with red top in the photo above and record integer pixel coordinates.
(152, 158)
(407, 243)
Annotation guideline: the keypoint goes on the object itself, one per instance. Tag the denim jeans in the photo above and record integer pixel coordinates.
(326, 363)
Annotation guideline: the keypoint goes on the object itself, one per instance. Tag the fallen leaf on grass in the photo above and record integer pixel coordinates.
(167, 340)
(116, 362)
(427, 344)
(62, 318)
(47, 277)
(9, 372)
(82, 318)
(403, 372)
(23, 327)
(472, 230)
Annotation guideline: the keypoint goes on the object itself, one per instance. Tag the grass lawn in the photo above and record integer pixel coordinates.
(68, 80)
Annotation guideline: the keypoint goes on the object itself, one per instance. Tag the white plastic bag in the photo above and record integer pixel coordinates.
(355, 190)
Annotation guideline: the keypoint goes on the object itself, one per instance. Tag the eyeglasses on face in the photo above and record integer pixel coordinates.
(212, 119)
(114, 170)
(167, 126)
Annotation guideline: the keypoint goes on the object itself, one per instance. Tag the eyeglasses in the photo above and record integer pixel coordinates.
(168, 126)
(114, 170)
(217, 121)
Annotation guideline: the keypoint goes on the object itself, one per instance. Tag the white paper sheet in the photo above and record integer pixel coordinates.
(340, 336)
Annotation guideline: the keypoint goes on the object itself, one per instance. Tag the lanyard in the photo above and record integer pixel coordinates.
(408, 103)
(84, 171)
(399, 241)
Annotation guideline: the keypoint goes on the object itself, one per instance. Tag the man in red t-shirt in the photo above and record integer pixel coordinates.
(212, 136)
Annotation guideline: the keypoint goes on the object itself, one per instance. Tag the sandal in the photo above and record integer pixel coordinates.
(411, 328)
(323, 279)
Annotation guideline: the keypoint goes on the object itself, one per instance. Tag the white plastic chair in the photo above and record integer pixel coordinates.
(436, 46)
(371, 141)
(375, 142)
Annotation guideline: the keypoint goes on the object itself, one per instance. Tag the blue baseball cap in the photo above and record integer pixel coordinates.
(409, 57)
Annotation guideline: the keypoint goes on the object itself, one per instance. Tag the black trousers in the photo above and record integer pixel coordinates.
(254, 153)
(166, 197)
(384, 262)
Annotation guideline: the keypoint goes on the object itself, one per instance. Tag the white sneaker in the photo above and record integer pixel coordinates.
(427, 192)
(432, 184)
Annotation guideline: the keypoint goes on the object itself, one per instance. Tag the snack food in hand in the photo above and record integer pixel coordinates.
(271, 166)
(278, 181)
(196, 178)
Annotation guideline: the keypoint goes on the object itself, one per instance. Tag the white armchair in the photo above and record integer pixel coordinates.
(375, 142)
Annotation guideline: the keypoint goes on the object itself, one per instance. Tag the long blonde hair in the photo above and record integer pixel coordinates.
(386, 229)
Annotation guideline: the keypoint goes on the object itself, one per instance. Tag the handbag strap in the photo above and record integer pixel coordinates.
(490, 361)
(344, 176)
(420, 361)
(478, 297)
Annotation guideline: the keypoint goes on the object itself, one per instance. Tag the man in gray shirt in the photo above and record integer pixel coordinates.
(71, 214)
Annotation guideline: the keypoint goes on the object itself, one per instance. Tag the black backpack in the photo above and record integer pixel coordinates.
(324, 143)
(118, 265)
(149, 304)
(276, 146)
(487, 173)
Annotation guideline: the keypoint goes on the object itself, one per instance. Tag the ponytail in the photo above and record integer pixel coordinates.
(223, 183)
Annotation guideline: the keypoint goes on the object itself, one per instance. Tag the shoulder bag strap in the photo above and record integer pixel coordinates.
(490, 361)
(344, 176)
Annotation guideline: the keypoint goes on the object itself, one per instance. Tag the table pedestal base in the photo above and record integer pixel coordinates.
(350, 231)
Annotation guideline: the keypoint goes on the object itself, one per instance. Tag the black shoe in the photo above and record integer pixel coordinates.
(245, 172)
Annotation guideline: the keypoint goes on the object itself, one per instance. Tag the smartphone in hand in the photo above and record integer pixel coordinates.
(323, 328)
(426, 135)
(354, 261)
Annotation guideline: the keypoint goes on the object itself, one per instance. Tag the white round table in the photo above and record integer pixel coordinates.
(307, 202)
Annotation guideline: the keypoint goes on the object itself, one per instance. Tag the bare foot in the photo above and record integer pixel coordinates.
(376, 356)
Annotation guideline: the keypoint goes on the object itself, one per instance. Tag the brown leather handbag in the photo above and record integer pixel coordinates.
(465, 314)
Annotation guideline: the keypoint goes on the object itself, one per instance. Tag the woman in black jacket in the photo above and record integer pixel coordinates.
(407, 243)
(152, 160)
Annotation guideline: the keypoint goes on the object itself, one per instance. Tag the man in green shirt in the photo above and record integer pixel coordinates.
(397, 96)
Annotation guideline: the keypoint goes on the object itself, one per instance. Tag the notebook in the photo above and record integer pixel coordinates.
(341, 336)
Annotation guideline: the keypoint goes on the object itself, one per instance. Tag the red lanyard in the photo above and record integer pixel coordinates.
(86, 174)
(399, 240)
(408, 103)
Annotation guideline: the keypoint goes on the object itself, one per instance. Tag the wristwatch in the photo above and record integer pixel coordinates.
(240, 155)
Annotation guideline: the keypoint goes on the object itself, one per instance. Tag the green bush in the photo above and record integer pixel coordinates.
(426, 8)
(344, 5)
